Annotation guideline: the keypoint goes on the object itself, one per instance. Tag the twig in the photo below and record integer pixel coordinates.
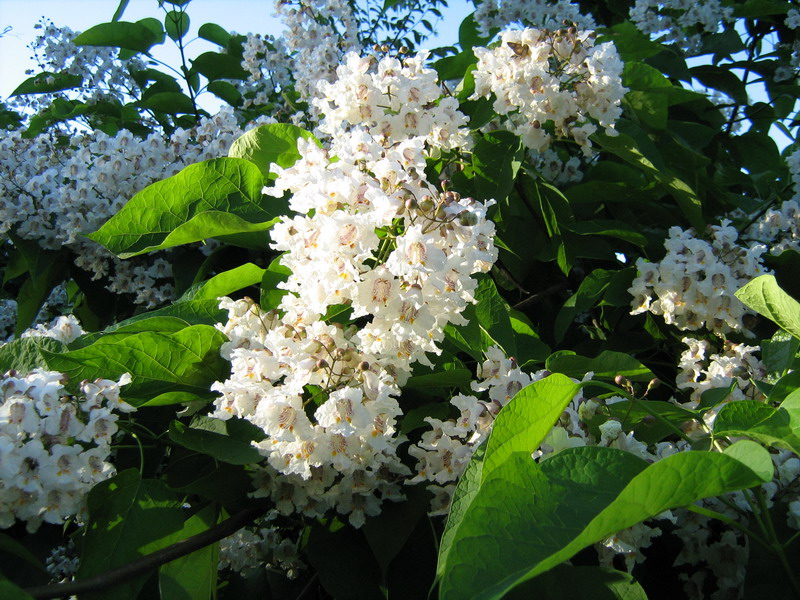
(150, 561)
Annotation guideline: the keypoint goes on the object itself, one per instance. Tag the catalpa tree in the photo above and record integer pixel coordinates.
(510, 317)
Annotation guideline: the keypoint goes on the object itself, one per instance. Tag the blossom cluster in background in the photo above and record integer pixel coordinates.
(53, 447)
(538, 76)
(693, 285)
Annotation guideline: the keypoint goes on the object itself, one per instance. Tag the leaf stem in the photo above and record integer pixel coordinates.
(775, 546)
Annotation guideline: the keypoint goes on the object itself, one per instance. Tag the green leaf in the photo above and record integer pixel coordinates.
(219, 66)
(524, 422)
(761, 8)
(47, 82)
(271, 294)
(650, 107)
(212, 198)
(607, 365)
(268, 144)
(224, 284)
(47, 269)
(26, 354)
(530, 349)
(756, 420)
(632, 44)
(186, 360)
(589, 292)
(9, 591)
(469, 35)
(123, 4)
(342, 558)
(785, 386)
(214, 33)
(626, 148)
(388, 532)
(496, 159)
(778, 353)
(722, 79)
(527, 518)
(520, 428)
(128, 518)
(637, 416)
(9, 545)
(120, 34)
(176, 24)
(225, 91)
(172, 103)
(222, 447)
(446, 379)
(491, 313)
(764, 295)
(194, 312)
(192, 577)
(615, 229)
(567, 581)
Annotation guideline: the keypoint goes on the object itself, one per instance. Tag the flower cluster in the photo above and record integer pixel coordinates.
(546, 14)
(444, 451)
(694, 283)
(280, 367)
(318, 33)
(681, 22)
(105, 76)
(550, 84)
(253, 549)
(267, 61)
(53, 447)
(373, 236)
(393, 100)
(736, 364)
(778, 228)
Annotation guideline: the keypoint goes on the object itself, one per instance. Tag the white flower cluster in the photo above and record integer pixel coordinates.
(694, 283)
(546, 14)
(105, 76)
(735, 368)
(253, 549)
(778, 228)
(552, 83)
(556, 170)
(444, 451)
(393, 100)
(274, 363)
(54, 192)
(678, 21)
(267, 61)
(373, 236)
(53, 447)
(319, 33)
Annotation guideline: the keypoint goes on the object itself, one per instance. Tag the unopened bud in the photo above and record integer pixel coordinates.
(621, 380)
(321, 364)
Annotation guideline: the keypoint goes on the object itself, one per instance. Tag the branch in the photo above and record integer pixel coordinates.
(150, 561)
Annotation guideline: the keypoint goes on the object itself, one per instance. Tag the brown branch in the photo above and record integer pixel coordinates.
(150, 561)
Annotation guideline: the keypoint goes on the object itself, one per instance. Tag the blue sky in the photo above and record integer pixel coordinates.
(242, 16)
